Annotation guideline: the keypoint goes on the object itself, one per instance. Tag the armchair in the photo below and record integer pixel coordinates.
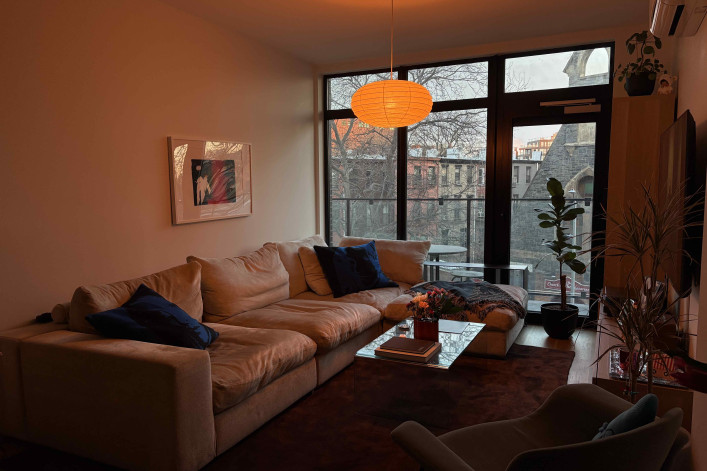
(557, 436)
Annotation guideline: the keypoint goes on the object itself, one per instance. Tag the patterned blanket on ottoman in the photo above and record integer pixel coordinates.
(477, 298)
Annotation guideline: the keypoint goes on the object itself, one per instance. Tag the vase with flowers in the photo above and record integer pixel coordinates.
(427, 309)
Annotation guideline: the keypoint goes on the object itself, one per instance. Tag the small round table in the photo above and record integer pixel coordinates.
(436, 250)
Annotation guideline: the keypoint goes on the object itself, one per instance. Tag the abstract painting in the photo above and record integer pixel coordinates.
(209, 180)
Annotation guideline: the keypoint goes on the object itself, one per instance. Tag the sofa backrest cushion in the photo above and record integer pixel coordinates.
(352, 269)
(313, 273)
(290, 259)
(60, 313)
(400, 260)
(179, 285)
(230, 286)
(149, 317)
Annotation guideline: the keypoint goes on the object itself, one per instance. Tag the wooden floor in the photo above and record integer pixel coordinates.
(583, 343)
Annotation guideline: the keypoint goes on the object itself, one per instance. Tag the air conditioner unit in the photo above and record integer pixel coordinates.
(676, 17)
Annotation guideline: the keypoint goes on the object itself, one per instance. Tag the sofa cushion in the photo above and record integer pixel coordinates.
(290, 259)
(60, 313)
(400, 260)
(148, 317)
(179, 285)
(329, 324)
(313, 273)
(500, 319)
(230, 286)
(352, 269)
(378, 298)
(245, 360)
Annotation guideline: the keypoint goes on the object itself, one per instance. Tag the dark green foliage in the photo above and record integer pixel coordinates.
(562, 247)
(644, 44)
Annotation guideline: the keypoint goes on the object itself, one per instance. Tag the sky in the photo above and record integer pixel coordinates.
(544, 72)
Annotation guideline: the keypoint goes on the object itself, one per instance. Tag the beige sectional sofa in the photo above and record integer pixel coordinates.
(144, 406)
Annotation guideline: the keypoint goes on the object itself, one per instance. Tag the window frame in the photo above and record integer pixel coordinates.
(504, 109)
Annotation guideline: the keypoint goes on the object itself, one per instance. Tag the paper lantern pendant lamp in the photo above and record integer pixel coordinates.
(391, 103)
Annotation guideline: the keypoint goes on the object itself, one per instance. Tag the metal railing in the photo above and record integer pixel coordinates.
(467, 205)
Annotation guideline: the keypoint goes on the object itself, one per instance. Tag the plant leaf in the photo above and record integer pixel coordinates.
(545, 217)
(546, 224)
(576, 266)
(554, 187)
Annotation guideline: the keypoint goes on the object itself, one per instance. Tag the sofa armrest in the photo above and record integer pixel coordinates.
(427, 449)
(131, 404)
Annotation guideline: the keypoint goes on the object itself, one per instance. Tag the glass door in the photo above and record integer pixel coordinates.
(565, 152)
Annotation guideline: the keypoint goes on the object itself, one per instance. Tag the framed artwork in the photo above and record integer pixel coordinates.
(209, 180)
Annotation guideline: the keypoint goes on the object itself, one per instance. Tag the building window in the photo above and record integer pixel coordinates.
(515, 174)
(457, 174)
(527, 174)
(432, 175)
(469, 174)
(417, 174)
(445, 174)
(481, 176)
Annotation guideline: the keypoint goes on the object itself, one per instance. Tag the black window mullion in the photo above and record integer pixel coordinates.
(402, 216)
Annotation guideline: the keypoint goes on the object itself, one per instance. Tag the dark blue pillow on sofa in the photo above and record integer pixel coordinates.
(352, 269)
(149, 317)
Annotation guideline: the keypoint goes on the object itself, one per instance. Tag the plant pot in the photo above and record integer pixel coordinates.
(426, 329)
(640, 84)
(557, 323)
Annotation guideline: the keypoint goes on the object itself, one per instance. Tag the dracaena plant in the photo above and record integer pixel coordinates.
(562, 246)
(643, 235)
(642, 47)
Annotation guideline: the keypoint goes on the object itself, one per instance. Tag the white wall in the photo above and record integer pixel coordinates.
(691, 59)
(89, 92)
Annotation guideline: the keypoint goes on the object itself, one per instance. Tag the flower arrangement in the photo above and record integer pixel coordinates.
(434, 304)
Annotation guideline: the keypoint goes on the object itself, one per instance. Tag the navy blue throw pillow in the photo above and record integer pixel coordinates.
(149, 317)
(352, 269)
(640, 414)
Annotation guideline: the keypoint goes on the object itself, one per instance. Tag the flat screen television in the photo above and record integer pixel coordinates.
(681, 163)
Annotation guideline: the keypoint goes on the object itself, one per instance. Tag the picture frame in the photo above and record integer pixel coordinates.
(209, 179)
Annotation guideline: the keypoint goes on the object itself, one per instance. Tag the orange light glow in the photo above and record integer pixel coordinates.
(391, 103)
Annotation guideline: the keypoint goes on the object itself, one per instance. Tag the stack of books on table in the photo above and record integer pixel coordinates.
(403, 348)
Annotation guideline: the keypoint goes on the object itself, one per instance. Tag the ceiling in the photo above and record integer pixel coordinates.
(331, 31)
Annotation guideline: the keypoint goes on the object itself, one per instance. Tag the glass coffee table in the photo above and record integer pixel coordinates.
(409, 390)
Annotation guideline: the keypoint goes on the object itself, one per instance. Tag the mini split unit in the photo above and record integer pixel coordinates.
(676, 17)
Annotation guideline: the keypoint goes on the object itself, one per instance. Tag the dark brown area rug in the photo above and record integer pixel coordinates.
(323, 430)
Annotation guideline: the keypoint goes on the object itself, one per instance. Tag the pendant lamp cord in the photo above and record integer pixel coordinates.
(391, 39)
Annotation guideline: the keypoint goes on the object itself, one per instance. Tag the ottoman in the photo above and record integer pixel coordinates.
(502, 325)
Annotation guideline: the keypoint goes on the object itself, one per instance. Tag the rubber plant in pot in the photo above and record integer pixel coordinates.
(640, 73)
(560, 319)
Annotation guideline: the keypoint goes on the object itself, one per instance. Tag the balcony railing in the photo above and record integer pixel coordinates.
(464, 213)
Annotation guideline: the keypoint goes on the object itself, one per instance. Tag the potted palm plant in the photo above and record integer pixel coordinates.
(641, 72)
(646, 322)
(560, 319)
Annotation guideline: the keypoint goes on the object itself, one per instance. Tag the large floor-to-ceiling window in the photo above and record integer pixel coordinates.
(470, 175)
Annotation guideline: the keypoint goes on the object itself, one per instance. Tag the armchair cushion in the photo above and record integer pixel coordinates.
(642, 413)
(148, 317)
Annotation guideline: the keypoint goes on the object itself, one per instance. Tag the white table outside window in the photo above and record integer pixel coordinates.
(437, 250)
